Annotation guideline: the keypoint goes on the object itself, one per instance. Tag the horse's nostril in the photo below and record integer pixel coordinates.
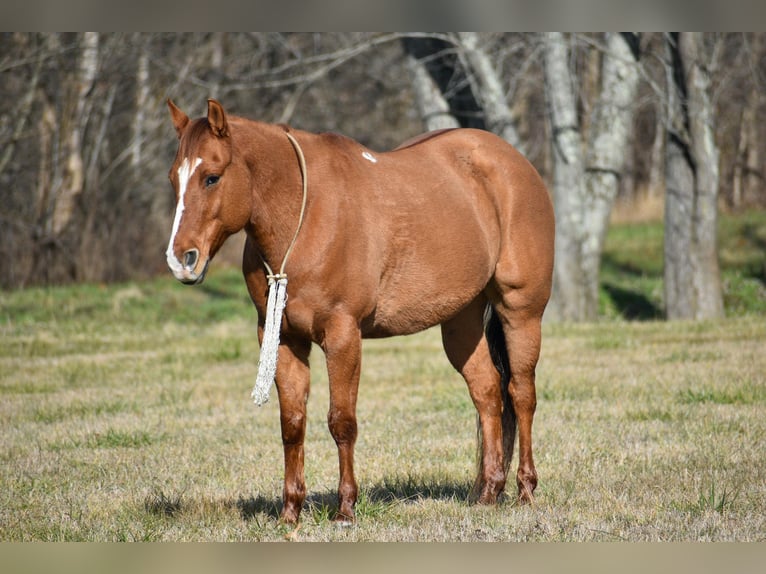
(190, 258)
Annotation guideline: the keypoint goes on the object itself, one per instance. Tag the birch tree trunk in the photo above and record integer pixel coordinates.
(568, 192)
(656, 183)
(432, 107)
(608, 147)
(692, 275)
(447, 72)
(586, 176)
(489, 89)
(74, 170)
(216, 63)
(142, 100)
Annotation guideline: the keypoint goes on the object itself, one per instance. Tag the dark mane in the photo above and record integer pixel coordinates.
(421, 138)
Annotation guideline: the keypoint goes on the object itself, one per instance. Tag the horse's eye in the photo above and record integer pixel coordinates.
(211, 180)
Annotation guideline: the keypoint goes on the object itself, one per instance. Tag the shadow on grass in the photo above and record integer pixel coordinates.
(372, 499)
(621, 281)
(632, 305)
(411, 488)
(251, 507)
(757, 269)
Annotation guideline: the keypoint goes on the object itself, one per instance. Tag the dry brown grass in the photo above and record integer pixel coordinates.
(643, 208)
(122, 429)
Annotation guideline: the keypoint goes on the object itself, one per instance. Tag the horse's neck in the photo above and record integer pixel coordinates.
(276, 185)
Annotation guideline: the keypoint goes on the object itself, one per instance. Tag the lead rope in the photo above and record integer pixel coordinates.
(267, 363)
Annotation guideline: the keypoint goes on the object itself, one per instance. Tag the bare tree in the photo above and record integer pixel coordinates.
(587, 166)
(692, 276)
(748, 174)
(21, 114)
(608, 149)
(488, 88)
(567, 301)
(142, 101)
(74, 170)
(439, 57)
(432, 106)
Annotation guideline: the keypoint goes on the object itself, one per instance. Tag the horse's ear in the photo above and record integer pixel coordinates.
(216, 117)
(180, 119)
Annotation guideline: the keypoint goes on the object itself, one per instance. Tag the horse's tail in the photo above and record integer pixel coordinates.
(498, 350)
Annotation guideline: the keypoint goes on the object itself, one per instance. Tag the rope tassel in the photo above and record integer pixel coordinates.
(267, 364)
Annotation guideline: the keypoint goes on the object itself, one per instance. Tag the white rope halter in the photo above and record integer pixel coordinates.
(267, 363)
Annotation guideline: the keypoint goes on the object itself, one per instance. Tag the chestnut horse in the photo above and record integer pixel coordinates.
(453, 228)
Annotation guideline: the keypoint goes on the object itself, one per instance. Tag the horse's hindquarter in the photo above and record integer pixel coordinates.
(432, 208)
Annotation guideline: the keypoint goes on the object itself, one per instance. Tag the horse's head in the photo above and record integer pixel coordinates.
(212, 192)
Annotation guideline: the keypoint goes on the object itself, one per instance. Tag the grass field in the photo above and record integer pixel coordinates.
(126, 416)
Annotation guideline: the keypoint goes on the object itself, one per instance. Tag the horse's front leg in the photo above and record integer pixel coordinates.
(343, 347)
(293, 387)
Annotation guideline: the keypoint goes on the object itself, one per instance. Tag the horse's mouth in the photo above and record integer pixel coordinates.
(195, 278)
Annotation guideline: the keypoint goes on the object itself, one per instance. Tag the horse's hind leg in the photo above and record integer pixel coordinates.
(521, 328)
(466, 347)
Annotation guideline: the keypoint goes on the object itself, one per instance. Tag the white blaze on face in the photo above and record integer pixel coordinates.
(184, 175)
(369, 157)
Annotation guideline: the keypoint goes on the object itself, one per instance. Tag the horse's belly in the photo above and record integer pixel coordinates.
(416, 301)
(406, 321)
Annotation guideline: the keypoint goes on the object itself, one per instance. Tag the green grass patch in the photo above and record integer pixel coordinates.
(80, 308)
(120, 439)
(80, 410)
(750, 394)
(632, 267)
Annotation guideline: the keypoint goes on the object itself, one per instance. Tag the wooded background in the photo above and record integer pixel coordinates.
(668, 120)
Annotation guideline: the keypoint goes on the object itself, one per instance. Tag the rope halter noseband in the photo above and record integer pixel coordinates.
(267, 363)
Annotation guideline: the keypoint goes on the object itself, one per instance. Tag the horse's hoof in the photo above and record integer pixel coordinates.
(288, 518)
(526, 496)
(343, 520)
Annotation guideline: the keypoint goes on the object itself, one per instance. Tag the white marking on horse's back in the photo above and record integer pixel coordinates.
(184, 175)
(369, 157)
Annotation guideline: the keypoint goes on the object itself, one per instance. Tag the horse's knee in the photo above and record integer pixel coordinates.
(293, 428)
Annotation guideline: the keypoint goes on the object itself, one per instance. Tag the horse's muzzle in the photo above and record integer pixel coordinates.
(191, 271)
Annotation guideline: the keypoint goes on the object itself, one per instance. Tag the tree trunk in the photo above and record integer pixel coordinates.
(74, 169)
(21, 114)
(488, 89)
(438, 58)
(656, 184)
(747, 167)
(568, 193)
(692, 276)
(608, 147)
(216, 63)
(142, 102)
(432, 107)
(585, 183)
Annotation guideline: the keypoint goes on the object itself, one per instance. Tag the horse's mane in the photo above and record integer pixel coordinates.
(421, 138)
